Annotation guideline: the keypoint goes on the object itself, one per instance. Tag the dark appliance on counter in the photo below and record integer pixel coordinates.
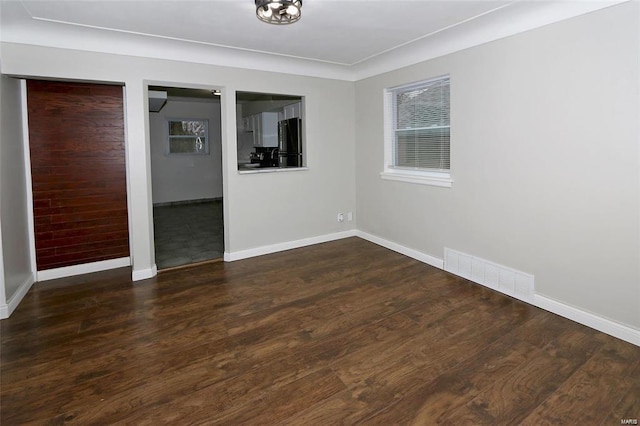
(266, 157)
(290, 142)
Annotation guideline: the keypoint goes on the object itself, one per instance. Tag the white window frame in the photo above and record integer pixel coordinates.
(205, 150)
(417, 175)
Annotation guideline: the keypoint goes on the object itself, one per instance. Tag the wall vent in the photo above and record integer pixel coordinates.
(506, 280)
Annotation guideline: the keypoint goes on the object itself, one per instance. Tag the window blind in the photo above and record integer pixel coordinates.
(421, 126)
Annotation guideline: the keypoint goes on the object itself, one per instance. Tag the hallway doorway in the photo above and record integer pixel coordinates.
(186, 170)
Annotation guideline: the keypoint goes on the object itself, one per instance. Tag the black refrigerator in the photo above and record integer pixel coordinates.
(290, 142)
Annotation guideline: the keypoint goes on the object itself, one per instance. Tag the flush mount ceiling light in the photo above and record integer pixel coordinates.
(278, 12)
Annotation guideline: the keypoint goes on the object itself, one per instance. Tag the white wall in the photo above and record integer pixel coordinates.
(185, 177)
(545, 161)
(16, 260)
(307, 201)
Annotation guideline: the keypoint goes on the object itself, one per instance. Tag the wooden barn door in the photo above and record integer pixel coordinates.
(76, 140)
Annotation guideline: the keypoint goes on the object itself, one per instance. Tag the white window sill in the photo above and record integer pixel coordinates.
(418, 177)
(271, 170)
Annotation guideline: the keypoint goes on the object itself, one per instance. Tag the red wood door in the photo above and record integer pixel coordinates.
(76, 139)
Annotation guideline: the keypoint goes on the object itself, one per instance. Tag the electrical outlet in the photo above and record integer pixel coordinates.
(349, 216)
(340, 217)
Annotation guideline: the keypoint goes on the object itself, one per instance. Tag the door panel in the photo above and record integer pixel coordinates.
(76, 141)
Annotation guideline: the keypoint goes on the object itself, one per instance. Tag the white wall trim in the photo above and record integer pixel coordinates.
(85, 268)
(3, 300)
(274, 248)
(28, 178)
(144, 274)
(7, 309)
(127, 175)
(583, 317)
(415, 254)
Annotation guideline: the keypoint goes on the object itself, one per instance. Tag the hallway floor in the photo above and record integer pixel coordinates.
(188, 233)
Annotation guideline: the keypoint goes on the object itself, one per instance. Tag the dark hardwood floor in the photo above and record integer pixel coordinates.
(338, 333)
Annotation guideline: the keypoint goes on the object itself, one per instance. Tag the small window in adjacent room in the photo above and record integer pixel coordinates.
(188, 136)
(417, 133)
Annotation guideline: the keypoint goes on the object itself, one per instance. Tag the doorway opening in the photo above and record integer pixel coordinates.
(186, 171)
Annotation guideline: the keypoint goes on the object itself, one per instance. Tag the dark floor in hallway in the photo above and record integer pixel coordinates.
(188, 233)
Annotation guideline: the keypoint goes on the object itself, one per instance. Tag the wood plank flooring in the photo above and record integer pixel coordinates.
(345, 332)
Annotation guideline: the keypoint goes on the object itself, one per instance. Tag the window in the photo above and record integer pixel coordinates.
(417, 133)
(270, 132)
(188, 137)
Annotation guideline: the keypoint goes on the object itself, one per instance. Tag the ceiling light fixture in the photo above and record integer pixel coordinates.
(278, 12)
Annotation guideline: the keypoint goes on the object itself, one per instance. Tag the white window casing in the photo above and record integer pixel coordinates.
(417, 133)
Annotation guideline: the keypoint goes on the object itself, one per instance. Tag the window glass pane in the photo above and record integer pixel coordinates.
(423, 107)
(188, 137)
(421, 126)
(187, 145)
(426, 148)
(187, 127)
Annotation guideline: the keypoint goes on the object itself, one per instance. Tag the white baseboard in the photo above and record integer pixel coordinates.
(85, 268)
(415, 254)
(7, 309)
(597, 322)
(143, 274)
(274, 248)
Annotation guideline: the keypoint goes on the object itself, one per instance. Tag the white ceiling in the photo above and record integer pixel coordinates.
(345, 39)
